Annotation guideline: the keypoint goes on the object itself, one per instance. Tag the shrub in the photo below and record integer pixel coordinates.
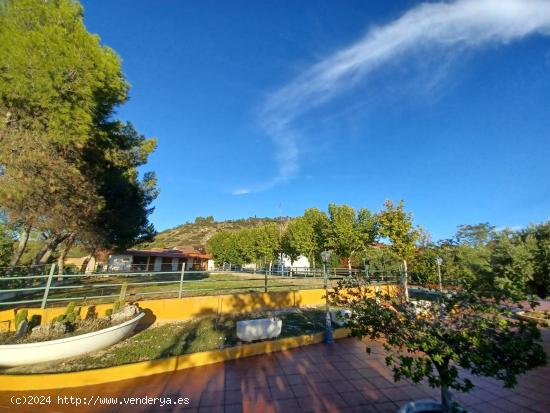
(464, 328)
(20, 316)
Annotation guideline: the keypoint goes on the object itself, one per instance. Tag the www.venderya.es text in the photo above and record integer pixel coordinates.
(94, 400)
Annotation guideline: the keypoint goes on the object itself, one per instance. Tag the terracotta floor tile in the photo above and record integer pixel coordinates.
(294, 379)
(381, 382)
(212, 398)
(287, 406)
(317, 378)
(233, 397)
(387, 407)
(233, 408)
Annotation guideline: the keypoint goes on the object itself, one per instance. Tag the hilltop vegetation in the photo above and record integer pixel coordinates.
(200, 231)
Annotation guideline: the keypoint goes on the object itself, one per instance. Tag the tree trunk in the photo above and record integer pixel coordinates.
(446, 399)
(22, 244)
(49, 247)
(446, 396)
(86, 261)
(61, 259)
(405, 280)
(349, 266)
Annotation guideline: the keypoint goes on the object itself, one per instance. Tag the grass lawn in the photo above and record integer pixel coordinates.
(173, 339)
(95, 289)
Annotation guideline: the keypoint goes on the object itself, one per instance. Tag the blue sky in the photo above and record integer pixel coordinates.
(262, 107)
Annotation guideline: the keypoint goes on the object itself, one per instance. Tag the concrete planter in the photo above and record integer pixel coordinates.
(420, 406)
(12, 355)
(340, 317)
(426, 406)
(262, 329)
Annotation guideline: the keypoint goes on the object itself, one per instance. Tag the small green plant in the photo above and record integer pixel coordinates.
(71, 315)
(122, 296)
(20, 316)
(117, 305)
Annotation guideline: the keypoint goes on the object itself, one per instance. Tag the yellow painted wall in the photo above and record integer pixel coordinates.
(179, 309)
(30, 382)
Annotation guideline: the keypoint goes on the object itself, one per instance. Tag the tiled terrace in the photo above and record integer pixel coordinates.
(317, 378)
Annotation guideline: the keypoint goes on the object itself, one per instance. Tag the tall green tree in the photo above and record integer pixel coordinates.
(540, 283)
(319, 222)
(512, 264)
(300, 239)
(245, 245)
(267, 243)
(475, 235)
(67, 167)
(223, 246)
(348, 232)
(397, 225)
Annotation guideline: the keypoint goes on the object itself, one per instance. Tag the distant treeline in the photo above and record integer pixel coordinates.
(518, 261)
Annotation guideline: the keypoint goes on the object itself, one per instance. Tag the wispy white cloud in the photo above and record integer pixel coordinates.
(444, 27)
(241, 191)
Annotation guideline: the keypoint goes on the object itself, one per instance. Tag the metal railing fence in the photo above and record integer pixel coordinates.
(47, 287)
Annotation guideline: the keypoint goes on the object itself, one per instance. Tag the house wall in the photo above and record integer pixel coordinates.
(301, 262)
(120, 262)
(158, 264)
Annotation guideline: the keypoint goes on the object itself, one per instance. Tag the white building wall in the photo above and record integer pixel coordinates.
(211, 266)
(157, 266)
(120, 262)
(300, 262)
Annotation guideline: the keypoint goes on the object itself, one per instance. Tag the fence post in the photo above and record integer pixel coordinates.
(265, 280)
(181, 278)
(48, 284)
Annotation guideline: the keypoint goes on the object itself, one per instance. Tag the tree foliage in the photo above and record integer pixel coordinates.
(6, 244)
(349, 232)
(305, 236)
(466, 328)
(67, 166)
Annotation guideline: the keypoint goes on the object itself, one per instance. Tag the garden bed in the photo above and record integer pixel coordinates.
(173, 339)
(539, 317)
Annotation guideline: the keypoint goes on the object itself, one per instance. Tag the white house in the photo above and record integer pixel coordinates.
(300, 262)
(161, 259)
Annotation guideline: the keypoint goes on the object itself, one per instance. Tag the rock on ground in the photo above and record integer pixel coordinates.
(124, 314)
(48, 331)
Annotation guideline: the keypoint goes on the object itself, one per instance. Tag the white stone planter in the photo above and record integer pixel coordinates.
(426, 405)
(417, 406)
(12, 355)
(264, 328)
(340, 317)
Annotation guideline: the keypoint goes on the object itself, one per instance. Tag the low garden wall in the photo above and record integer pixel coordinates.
(148, 368)
(181, 309)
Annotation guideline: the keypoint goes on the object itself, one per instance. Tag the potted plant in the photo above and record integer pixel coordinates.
(462, 330)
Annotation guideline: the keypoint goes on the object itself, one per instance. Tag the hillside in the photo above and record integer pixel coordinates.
(198, 232)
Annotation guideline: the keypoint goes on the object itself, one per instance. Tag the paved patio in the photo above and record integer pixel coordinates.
(316, 378)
